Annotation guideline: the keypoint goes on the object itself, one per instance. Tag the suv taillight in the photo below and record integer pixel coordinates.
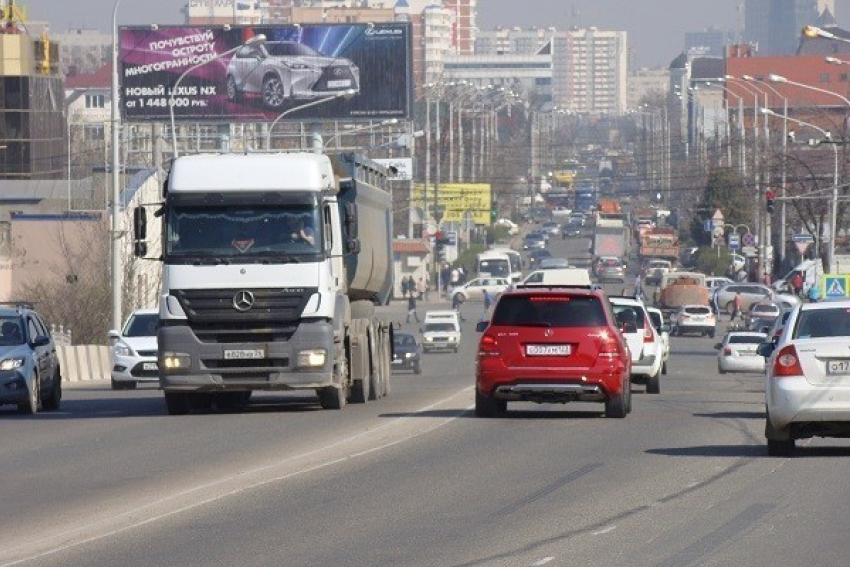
(488, 346)
(787, 363)
(609, 348)
(648, 335)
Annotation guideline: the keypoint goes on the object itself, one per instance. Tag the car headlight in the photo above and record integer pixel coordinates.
(409, 354)
(299, 66)
(122, 349)
(12, 363)
(428, 339)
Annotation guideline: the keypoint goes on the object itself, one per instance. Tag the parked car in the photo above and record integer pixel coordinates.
(807, 389)
(554, 263)
(611, 269)
(281, 71)
(663, 330)
(406, 353)
(30, 374)
(134, 350)
(644, 343)
(473, 290)
(551, 345)
(737, 352)
(750, 293)
(698, 319)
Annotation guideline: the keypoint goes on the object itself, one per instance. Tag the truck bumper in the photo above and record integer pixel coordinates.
(218, 367)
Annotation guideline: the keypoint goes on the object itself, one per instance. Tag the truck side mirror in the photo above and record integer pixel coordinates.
(140, 223)
(351, 220)
(352, 245)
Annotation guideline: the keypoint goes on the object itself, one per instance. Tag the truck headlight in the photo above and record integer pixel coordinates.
(311, 358)
(12, 363)
(172, 361)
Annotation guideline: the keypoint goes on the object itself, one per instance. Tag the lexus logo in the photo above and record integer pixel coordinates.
(337, 71)
(243, 301)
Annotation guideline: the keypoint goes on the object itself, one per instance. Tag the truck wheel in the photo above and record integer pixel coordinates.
(332, 397)
(653, 384)
(178, 403)
(664, 367)
(360, 391)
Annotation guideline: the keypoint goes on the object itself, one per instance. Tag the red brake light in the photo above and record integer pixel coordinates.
(488, 346)
(609, 347)
(548, 298)
(787, 363)
(727, 351)
(648, 335)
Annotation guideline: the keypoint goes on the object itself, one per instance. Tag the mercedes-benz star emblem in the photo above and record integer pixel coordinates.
(243, 301)
(548, 332)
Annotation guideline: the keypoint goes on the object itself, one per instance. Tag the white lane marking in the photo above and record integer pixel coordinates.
(605, 530)
(543, 561)
(140, 510)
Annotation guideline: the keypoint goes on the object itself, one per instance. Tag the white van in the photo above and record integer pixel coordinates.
(578, 277)
(441, 331)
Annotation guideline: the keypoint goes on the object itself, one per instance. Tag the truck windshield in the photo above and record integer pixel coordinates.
(497, 267)
(227, 233)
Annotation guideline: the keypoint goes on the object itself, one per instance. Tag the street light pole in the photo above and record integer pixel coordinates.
(348, 93)
(115, 233)
(834, 205)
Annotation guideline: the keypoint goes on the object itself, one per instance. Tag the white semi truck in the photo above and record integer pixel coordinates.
(273, 264)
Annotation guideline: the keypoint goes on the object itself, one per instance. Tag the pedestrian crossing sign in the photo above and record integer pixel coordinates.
(835, 286)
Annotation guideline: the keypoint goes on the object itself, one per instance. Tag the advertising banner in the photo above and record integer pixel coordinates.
(227, 79)
(457, 198)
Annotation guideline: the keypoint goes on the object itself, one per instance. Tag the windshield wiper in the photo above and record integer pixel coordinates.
(271, 254)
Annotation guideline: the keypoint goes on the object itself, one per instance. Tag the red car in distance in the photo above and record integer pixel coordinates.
(552, 345)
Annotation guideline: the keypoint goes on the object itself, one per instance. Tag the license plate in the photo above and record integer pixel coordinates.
(547, 350)
(149, 366)
(838, 366)
(244, 353)
(339, 83)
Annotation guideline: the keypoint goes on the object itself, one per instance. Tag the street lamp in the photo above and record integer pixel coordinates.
(257, 39)
(336, 137)
(347, 93)
(834, 208)
(814, 32)
(780, 79)
(116, 193)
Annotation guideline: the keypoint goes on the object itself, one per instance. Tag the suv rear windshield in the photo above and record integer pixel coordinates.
(549, 310)
(697, 310)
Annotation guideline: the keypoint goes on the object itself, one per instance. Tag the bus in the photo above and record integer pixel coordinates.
(500, 263)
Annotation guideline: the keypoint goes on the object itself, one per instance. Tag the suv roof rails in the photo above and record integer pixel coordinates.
(19, 304)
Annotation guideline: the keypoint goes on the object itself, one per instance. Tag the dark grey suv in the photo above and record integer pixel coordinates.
(29, 366)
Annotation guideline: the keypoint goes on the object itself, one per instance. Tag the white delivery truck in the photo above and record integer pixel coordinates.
(500, 263)
(273, 266)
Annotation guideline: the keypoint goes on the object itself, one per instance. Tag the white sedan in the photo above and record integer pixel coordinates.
(663, 331)
(737, 352)
(807, 384)
(473, 290)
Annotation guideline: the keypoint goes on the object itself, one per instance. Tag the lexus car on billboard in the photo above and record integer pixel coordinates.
(279, 71)
(230, 73)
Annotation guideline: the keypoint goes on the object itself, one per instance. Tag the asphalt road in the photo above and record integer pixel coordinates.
(416, 479)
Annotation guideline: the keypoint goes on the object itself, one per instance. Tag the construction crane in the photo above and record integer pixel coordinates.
(11, 17)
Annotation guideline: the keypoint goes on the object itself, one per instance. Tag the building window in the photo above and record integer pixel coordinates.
(95, 101)
(824, 77)
(93, 132)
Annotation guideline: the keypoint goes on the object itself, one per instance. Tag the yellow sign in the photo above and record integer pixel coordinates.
(456, 199)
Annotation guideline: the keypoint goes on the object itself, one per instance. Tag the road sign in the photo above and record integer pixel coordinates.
(451, 236)
(802, 247)
(803, 237)
(749, 239)
(835, 286)
(749, 250)
(734, 241)
(717, 232)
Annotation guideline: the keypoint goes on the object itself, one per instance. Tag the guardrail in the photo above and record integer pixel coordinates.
(84, 362)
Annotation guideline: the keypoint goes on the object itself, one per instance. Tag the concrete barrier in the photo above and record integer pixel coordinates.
(84, 362)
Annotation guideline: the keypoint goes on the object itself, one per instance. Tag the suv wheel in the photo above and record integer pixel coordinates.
(232, 89)
(617, 406)
(486, 406)
(51, 402)
(30, 406)
(178, 403)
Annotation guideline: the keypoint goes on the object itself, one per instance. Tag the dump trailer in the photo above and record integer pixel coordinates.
(273, 266)
(659, 243)
(678, 289)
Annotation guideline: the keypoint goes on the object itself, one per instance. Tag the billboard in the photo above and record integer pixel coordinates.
(457, 198)
(238, 81)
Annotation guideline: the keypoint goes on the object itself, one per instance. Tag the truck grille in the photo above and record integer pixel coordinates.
(273, 316)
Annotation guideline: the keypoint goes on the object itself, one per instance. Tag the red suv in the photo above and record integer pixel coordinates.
(552, 345)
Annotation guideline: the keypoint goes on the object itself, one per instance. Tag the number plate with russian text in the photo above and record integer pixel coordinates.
(244, 353)
(547, 350)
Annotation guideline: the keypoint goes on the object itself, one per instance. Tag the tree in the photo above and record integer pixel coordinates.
(724, 190)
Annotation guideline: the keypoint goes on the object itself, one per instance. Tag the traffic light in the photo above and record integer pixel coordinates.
(494, 213)
(440, 245)
(770, 200)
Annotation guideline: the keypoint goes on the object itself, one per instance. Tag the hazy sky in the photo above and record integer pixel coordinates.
(656, 27)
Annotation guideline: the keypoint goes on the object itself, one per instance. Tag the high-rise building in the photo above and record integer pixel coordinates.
(707, 43)
(774, 25)
(589, 65)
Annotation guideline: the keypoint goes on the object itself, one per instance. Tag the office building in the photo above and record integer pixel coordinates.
(773, 26)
